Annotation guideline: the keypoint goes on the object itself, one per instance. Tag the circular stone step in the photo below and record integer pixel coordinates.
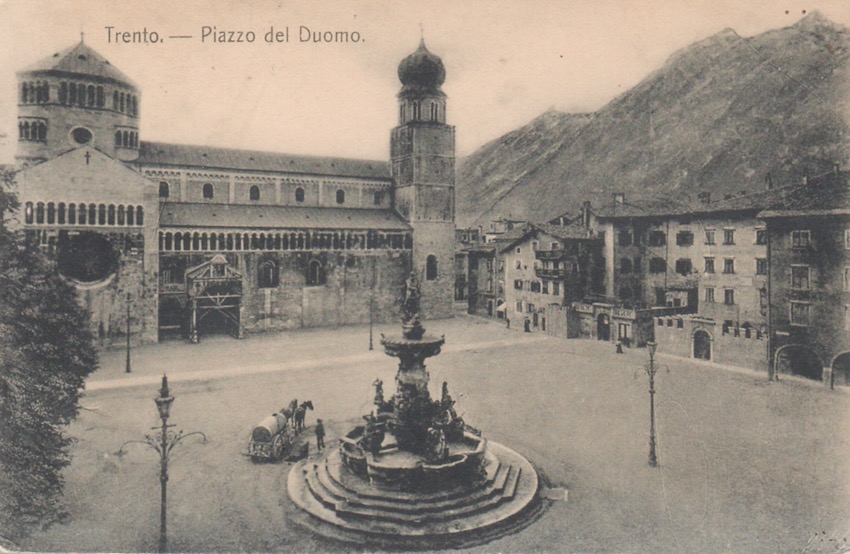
(327, 491)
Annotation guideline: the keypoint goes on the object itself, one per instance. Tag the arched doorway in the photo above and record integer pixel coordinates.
(603, 327)
(702, 345)
(799, 360)
(841, 369)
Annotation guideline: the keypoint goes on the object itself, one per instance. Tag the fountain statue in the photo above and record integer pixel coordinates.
(414, 469)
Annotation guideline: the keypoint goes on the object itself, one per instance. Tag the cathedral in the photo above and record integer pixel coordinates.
(173, 240)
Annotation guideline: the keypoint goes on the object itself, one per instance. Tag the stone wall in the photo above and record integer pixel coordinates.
(343, 299)
(675, 335)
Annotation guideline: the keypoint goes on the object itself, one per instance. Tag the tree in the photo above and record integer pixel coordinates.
(46, 352)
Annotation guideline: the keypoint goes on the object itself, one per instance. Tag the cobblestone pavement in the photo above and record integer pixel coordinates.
(745, 465)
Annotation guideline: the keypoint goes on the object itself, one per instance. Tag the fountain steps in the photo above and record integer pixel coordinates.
(349, 502)
(324, 491)
(493, 470)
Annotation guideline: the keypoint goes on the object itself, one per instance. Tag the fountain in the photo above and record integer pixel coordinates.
(414, 469)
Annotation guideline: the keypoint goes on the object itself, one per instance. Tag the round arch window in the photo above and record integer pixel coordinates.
(87, 258)
(81, 135)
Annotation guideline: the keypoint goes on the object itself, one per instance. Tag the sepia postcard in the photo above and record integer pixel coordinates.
(477, 276)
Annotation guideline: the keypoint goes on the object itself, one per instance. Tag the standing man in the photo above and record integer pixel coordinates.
(320, 434)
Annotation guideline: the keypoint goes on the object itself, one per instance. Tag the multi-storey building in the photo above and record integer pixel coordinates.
(198, 239)
(547, 267)
(698, 272)
(808, 230)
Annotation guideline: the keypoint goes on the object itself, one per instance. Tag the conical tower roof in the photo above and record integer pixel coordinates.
(79, 59)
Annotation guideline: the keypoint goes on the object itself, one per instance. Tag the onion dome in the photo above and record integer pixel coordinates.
(421, 72)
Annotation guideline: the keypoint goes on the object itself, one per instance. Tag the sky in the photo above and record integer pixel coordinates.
(507, 61)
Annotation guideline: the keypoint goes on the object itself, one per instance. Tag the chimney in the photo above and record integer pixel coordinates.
(585, 214)
(619, 198)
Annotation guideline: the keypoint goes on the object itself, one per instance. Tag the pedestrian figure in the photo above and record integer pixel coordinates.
(619, 344)
(320, 434)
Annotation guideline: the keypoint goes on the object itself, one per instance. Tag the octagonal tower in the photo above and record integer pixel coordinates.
(76, 97)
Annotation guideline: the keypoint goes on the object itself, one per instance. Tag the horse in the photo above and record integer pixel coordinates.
(289, 411)
(300, 413)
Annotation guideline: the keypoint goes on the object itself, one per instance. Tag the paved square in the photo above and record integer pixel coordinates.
(745, 465)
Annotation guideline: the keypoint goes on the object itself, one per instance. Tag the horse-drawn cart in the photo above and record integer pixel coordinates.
(271, 439)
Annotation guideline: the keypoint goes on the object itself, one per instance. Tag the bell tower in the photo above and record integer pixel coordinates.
(423, 169)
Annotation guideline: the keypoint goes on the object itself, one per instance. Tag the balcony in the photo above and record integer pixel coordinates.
(549, 274)
(551, 255)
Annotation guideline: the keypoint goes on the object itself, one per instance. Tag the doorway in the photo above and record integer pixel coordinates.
(603, 327)
(702, 345)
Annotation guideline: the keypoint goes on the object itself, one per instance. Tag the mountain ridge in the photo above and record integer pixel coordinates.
(724, 115)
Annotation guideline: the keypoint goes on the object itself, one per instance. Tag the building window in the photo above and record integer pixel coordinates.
(518, 307)
(625, 265)
(556, 288)
(518, 264)
(657, 238)
(800, 277)
(340, 196)
(709, 294)
(761, 236)
(709, 265)
(518, 250)
(625, 238)
(729, 297)
(208, 191)
(800, 314)
(267, 275)
(800, 239)
(729, 265)
(761, 266)
(535, 286)
(728, 236)
(684, 266)
(254, 193)
(709, 236)
(431, 267)
(545, 287)
(163, 189)
(684, 238)
(379, 198)
(534, 246)
(315, 274)
(554, 246)
(299, 195)
(529, 308)
(657, 265)
(518, 284)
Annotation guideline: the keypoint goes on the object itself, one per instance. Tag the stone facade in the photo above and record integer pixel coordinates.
(317, 241)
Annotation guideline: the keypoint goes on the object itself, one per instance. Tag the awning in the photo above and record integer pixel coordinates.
(501, 307)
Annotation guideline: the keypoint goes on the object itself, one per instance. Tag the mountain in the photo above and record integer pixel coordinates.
(724, 115)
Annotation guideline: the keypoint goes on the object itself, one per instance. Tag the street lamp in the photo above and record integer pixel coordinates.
(371, 304)
(651, 369)
(163, 444)
(129, 299)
